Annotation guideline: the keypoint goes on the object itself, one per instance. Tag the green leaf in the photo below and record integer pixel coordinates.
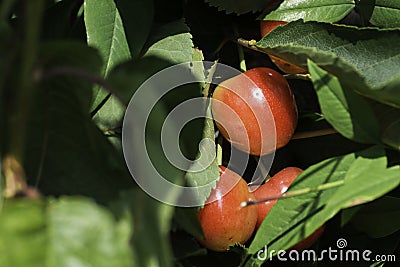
(109, 117)
(23, 234)
(386, 14)
(389, 120)
(348, 214)
(187, 219)
(127, 77)
(376, 218)
(361, 183)
(287, 213)
(2, 182)
(206, 161)
(86, 234)
(349, 113)
(61, 130)
(151, 220)
(171, 42)
(133, 14)
(105, 31)
(64, 232)
(239, 7)
(365, 178)
(312, 10)
(173, 45)
(361, 58)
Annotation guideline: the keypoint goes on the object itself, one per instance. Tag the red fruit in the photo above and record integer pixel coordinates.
(224, 221)
(250, 127)
(277, 185)
(266, 26)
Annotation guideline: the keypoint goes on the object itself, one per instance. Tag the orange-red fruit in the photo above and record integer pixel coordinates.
(250, 126)
(266, 26)
(278, 184)
(224, 222)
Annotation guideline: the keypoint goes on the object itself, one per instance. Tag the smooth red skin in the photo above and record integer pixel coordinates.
(278, 184)
(266, 26)
(246, 134)
(224, 222)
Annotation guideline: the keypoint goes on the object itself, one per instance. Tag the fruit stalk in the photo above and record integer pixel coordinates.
(310, 134)
(25, 90)
(295, 193)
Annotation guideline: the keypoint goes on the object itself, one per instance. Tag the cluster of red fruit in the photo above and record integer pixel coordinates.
(225, 221)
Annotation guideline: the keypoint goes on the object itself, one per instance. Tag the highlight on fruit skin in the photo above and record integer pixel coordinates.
(266, 26)
(256, 111)
(224, 222)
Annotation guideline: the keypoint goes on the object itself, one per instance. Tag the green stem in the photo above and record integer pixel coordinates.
(242, 60)
(316, 133)
(296, 193)
(219, 151)
(25, 90)
(305, 77)
(243, 66)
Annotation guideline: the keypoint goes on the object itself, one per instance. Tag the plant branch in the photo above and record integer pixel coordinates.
(249, 44)
(25, 92)
(78, 73)
(305, 77)
(310, 134)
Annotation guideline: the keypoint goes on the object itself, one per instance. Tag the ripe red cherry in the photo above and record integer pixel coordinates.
(224, 222)
(278, 184)
(266, 26)
(250, 126)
